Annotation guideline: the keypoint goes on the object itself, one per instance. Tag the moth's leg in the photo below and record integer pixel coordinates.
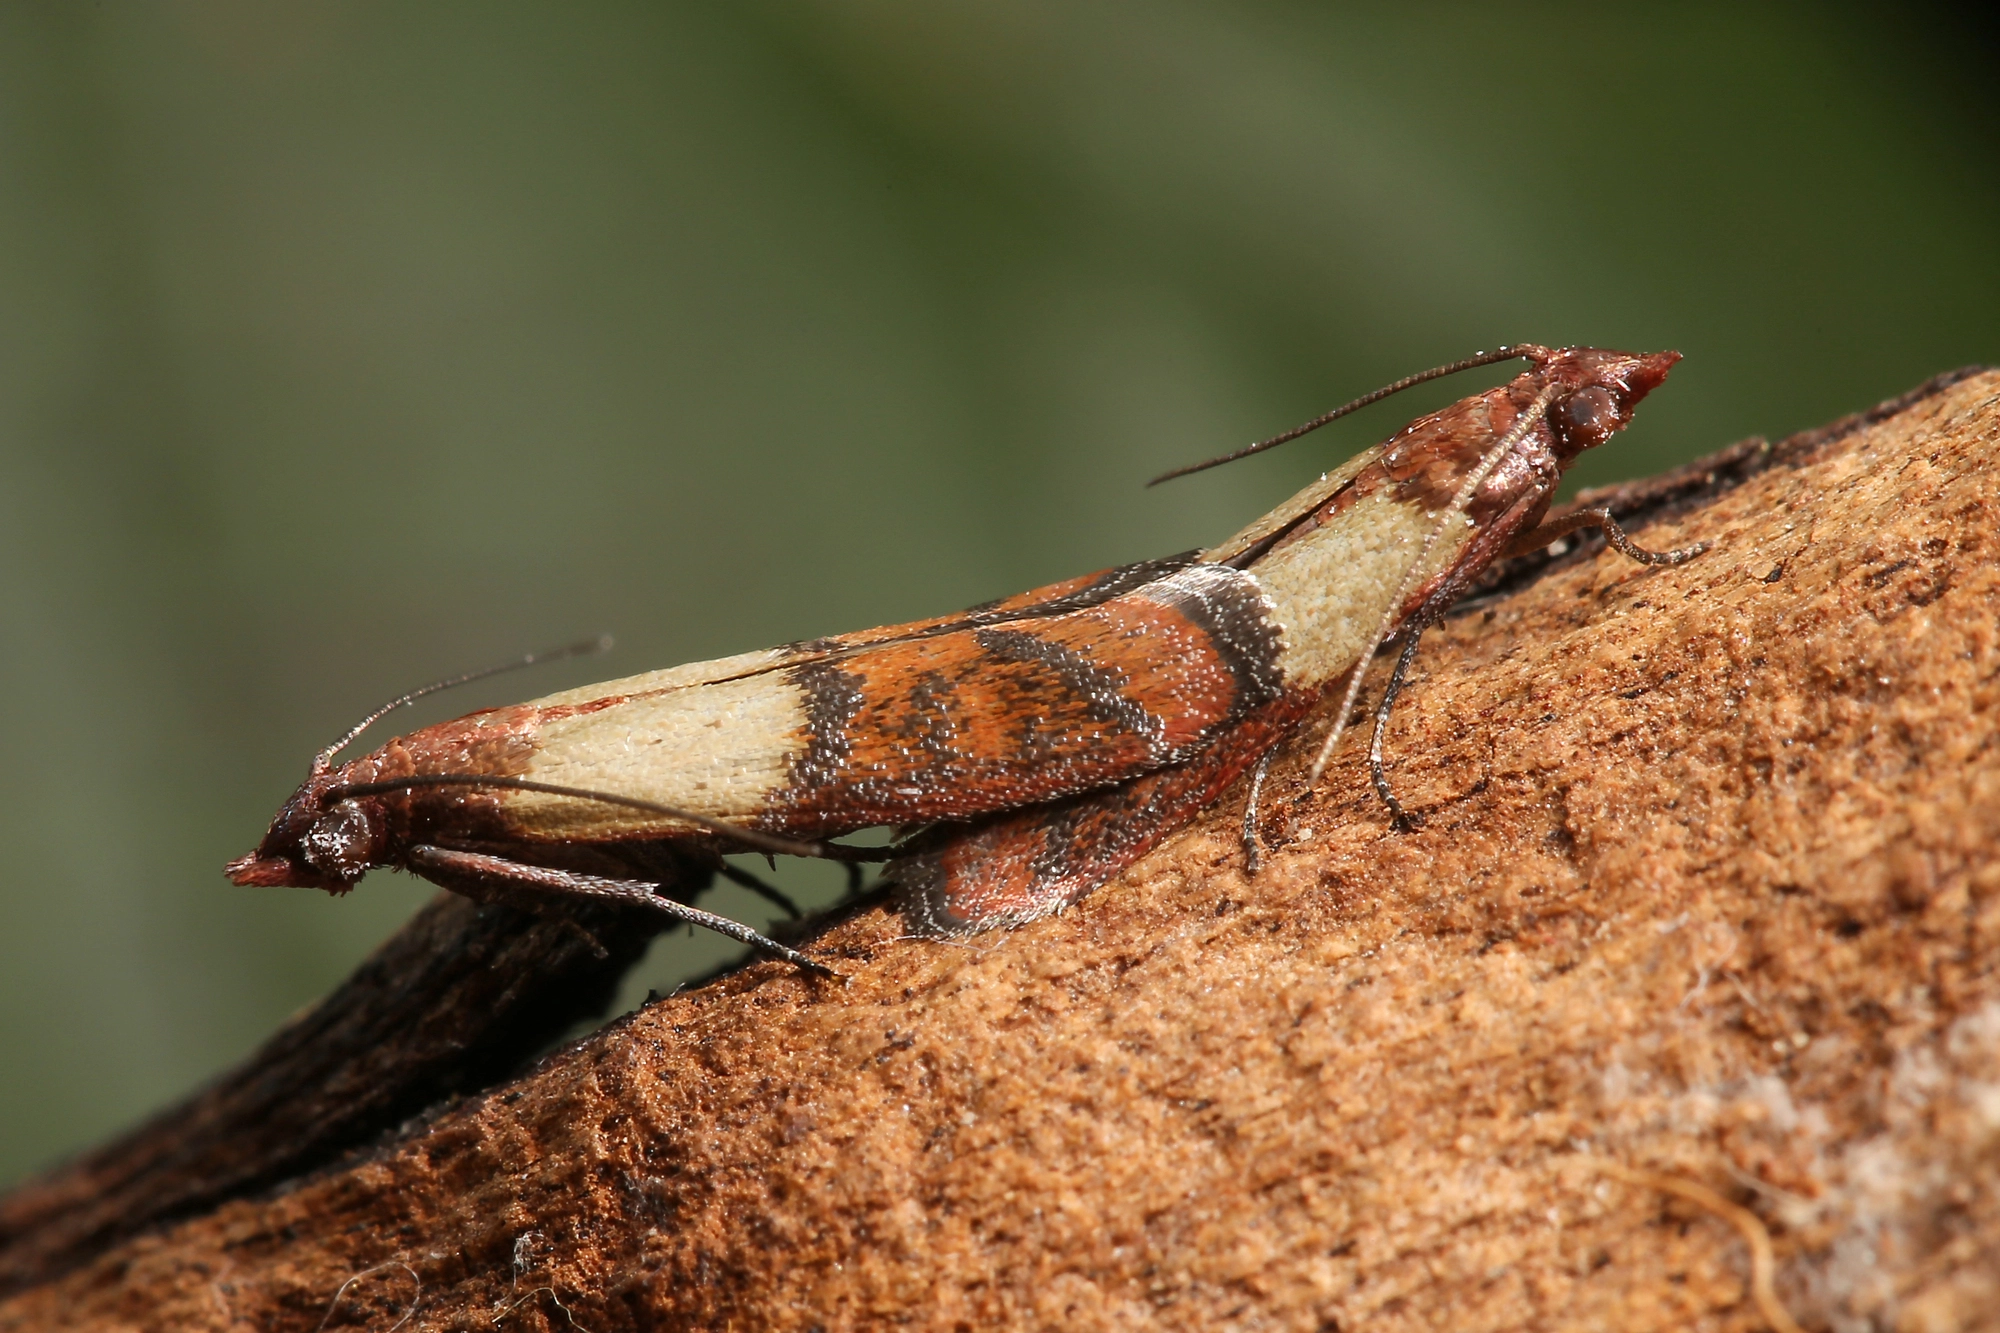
(853, 879)
(477, 875)
(1250, 848)
(770, 893)
(1397, 815)
(1600, 517)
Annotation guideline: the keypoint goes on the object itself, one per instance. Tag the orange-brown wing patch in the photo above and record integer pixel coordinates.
(1025, 864)
(1030, 710)
(1054, 599)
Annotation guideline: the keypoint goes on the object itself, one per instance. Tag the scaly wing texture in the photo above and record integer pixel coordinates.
(1025, 864)
(915, 728)
(996, 717)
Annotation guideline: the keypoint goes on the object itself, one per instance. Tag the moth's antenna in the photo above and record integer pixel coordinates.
(751, 838)
(1507, 353)
(585, 648)
(1515, 434)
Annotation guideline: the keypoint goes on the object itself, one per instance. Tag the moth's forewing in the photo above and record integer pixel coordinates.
(1290, 512)
(909, 728)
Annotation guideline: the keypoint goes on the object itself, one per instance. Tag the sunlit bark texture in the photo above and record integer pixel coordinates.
(1705, 887)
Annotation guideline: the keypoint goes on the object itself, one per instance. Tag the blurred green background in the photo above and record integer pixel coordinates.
(345, 346)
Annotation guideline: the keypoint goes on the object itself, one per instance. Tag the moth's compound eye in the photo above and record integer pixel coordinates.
(340, 843)
(1591, 412)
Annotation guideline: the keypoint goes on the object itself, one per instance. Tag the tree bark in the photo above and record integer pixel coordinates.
(1705, 894)
(455, 1001)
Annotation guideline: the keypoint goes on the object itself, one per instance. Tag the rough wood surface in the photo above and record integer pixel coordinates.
(452, 1003)
(1706, 887)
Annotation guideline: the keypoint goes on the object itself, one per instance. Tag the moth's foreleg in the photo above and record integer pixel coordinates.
(1397, 815)
(477, 875)
(1599, 516)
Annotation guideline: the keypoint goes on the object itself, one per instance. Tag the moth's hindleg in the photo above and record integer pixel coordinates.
(480, 876)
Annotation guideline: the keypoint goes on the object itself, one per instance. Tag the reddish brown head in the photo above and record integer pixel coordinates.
(326, 837)
(1597, 392)
(312, 844)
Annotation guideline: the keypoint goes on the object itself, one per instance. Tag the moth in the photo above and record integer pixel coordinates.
(1028, 749)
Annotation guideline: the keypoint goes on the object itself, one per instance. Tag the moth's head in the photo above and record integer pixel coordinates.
(1598, 390)
(314, 842)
